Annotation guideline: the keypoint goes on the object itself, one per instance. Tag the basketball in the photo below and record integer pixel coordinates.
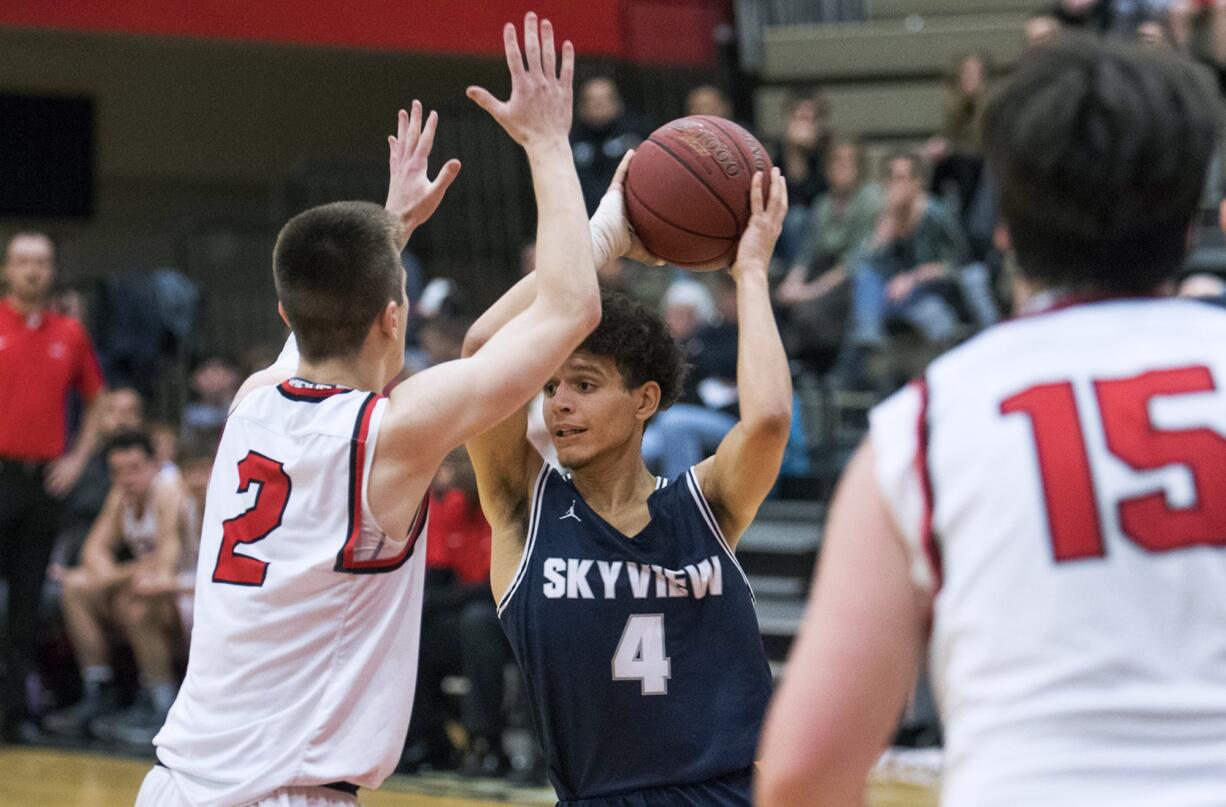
(687, 190)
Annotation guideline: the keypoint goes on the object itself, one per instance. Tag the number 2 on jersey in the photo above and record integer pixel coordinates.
(640, 654)
(253, 524)
(1148, 519)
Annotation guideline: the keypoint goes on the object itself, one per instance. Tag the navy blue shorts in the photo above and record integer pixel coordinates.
(730, 790)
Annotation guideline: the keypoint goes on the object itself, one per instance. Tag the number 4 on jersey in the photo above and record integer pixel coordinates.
(640, 654)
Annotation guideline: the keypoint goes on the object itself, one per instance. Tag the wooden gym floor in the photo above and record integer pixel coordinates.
(52, 778)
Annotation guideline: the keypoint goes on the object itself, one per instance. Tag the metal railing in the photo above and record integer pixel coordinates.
(754, 16)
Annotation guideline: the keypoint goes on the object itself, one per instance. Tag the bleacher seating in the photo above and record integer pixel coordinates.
(778, 553)
(883, 76)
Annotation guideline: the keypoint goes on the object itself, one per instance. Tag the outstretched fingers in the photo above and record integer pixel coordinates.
(426, 142)
(510, 42)
(549, 56)
(412, 131)
(532, 43)
(568, 65)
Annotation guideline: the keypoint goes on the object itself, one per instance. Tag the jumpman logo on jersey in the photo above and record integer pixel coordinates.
(570, 513)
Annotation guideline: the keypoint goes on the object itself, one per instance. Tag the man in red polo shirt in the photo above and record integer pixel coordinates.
(42, 356)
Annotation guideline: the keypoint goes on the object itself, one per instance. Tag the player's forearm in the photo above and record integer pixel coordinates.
(565, 269)
(87, 437)
(171, 515)
(764, 381)
(510, 305)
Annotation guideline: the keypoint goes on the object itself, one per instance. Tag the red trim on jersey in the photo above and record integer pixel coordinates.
(299, 389)
(928, 538)
(345, 560)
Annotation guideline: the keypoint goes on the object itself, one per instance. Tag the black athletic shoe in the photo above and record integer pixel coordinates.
(484, 760)
(134, 726)
(74, 721)
(423, 757)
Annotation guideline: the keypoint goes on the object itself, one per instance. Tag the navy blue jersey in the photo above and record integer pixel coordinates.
(642, 655)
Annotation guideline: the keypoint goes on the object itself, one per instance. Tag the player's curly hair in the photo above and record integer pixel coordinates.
(639, 342)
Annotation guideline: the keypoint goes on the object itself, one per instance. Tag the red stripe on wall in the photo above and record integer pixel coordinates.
(646, 30)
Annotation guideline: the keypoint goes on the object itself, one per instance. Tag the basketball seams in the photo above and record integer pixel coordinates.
(713, 191)
(742, 149)
(736, 140)
(639, 200)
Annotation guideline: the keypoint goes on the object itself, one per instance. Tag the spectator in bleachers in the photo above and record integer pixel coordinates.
(814, 297)
(195, 461)
(958, 175)
(905, 270)
(688, 305)
(118, 410)
(214, 381)
(691, 429)
(454, 622)
(707, 99)
(442, 337)
(1113, 17)
(602, 134)
(1155, 30)
(1187, 15)
(1041, 28)
(137, 535)
(165, 439)
(1203, 286)
(801, 156)
(1090, 16)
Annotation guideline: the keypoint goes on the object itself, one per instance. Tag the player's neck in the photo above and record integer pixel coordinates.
(343, 373)
(608, 484)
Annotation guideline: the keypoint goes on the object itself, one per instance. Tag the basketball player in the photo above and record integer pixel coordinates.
(309, 590)
(628, 613)
(142, 521)
(1046, 509)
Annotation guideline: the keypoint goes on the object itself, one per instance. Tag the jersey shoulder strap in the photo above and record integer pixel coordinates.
(534, 520)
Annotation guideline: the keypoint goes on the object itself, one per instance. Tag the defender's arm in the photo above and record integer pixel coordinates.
(436, 410)
(412, 198)
(854, 662)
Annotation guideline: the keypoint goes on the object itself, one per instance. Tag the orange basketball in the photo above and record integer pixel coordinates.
(687, 190)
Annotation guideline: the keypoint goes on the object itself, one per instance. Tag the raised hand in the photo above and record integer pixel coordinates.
(412, 197)
(541, 103)
(757, 244)
(612, 236)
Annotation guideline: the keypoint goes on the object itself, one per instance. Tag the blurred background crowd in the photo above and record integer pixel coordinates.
(891, 253)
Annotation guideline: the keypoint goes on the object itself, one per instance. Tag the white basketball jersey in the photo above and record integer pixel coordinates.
(307, 616)
(1061, 484)
(139, 528)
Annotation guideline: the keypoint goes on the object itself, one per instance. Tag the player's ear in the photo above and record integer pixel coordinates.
(389, 319)
(284, 316)
(1221, 215)
(647, 400)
